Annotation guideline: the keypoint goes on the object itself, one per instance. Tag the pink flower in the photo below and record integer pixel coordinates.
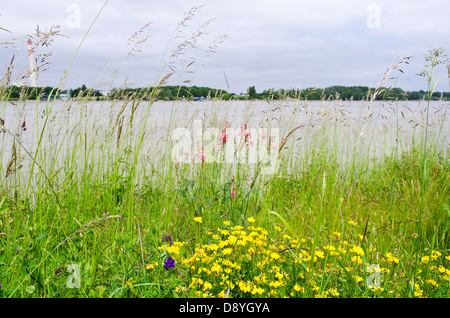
(201, 155)
(224, 136)
(233, 194)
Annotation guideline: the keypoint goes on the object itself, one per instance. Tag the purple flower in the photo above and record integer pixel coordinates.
(170, 263)
(167, 238)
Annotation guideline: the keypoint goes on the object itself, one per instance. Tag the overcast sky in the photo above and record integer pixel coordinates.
(265, 43)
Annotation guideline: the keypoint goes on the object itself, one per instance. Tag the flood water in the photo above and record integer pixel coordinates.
(382, 124)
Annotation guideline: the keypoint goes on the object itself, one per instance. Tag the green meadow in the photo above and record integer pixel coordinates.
(343, 199)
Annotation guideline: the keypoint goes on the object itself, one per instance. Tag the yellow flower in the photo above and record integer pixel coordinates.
(319, 254)
(173, 249)
(244, 286)
(278, 275)
(358, 250)
(352, 222)
(227, 251)
(357, 259)
(275, 284)
(232, 239)
(425, 259)
(275, 255)
(391, 258)
(298, 288)
(213, 247)
(257, 290)
(251, 220)
(207, 286)
(287, 237)
(334, 292)
(358, 278)
(198, 219)
(152, 266)
(435, 254)
(216, 268)
(226, 223)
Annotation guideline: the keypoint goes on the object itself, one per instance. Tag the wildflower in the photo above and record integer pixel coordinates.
(170, 263)
(319, 254)
(425, 259)
(221, 294)
(224, 135)
(257, 290)
(224, 138)
(198, 219)
(352, 222)
(152, 266)
(232, 239)
(358, 278)
(227, 251)
(174, 249)
(244, 286)
(391, 258)
(376, 289)
(334, 292)
(275, 284)
(167, 238)
(216, 268)
(275, 255)
(226, 223)
(431, 282)
(357, 250)
(435, 254)
(207, 285)
(298, 288)
(251, 219)
(357, 259)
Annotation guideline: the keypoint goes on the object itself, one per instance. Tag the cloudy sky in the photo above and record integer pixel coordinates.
(228, 44)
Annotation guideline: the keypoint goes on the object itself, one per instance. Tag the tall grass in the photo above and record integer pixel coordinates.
(94, 184)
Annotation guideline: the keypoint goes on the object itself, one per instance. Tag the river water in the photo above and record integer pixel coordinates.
(61, 125)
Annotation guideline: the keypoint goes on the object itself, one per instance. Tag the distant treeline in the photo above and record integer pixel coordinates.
(345, 93)
(194, 92)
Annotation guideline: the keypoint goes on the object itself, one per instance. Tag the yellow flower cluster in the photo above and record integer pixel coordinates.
(245, 261)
